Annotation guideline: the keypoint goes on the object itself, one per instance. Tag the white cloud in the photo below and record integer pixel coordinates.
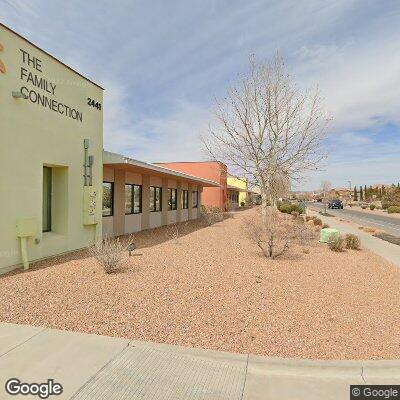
(162, 64)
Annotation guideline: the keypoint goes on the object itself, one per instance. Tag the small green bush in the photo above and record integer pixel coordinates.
(289, 208)
(352, 242)
(372, 207)
(317, 222)
(336, 243)
(302, 208)
(393, 209)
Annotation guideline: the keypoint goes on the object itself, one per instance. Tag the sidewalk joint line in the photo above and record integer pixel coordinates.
(101, 369)
(245, 375)
(362, 374)
(20, 344)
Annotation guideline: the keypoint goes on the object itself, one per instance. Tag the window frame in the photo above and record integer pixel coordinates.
(156, 188)
(172, 205)
(185, 199)
(112, 200)
(49, 196)
(132, 187)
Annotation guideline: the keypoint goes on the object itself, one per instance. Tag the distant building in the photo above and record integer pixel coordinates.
(238, 191)
(211, 170)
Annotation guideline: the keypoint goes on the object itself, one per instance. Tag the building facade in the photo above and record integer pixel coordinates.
(211, 170)
(238, 191)
(139, 195)
(60, 191)
(51, 125)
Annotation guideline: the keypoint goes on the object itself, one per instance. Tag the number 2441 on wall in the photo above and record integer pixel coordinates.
(94, 103)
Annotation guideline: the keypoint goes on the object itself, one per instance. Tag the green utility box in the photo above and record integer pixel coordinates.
(326, 233)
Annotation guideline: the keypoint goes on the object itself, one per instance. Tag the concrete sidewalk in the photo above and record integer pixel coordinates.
(389, 251)
(92, 367)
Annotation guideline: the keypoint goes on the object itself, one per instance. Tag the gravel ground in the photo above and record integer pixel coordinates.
(213, 289)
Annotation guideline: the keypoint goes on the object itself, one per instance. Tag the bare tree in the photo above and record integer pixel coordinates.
(326, 187)
(268, 130)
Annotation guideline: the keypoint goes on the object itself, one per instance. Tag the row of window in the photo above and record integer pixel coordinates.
(133, 199)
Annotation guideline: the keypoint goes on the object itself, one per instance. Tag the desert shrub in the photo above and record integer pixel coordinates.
(336, 243)
(110, 252)
(285, 208)
(352, 241)
(364, 206)
(272, 237)
(211, 215)
(385, 204)
(242, 204)
(303, 233)
(393, 209)
(325, 226)
(317, 221)
(308, 218)
(391, 199)
(172, 232)
(372, 207)
(295, 214)
(289, 208)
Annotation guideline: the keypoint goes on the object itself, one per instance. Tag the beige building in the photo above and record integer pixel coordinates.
(139, 195)
(51, 125)
(56, 195)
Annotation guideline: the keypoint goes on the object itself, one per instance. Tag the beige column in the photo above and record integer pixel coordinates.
(179, 201)
(164, 207)
(145, 202)
(119, 202)
(190, 208)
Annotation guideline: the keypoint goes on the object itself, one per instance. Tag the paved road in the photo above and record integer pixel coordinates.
(92, 367)
(388, 224)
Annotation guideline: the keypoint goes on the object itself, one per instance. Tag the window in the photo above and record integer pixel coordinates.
(172, 199)
(195, 199)
(133, 199)
(185, 199)
(108, 199)
(47, 198)
(155, 198)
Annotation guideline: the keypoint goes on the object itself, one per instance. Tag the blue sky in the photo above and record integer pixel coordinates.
(163, 63)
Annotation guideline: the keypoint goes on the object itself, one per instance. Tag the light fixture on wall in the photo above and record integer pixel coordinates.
(19, 95)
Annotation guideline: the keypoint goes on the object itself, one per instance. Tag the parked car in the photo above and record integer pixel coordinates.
(335, 204)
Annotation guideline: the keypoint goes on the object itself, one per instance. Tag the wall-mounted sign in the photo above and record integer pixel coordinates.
(39, 90)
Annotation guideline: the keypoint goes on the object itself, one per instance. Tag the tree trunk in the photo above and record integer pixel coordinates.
(264, 207)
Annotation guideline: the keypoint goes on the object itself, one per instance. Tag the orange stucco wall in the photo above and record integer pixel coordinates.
(212, 170)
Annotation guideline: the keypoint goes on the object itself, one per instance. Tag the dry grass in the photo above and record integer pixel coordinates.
(111, 252)
(215, 290)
